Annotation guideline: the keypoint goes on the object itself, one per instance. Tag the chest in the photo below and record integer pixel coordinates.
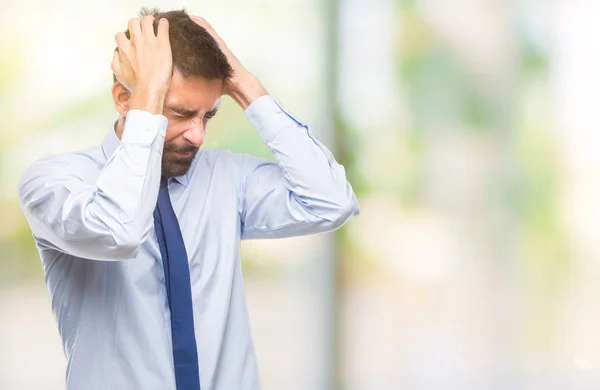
(208, 217)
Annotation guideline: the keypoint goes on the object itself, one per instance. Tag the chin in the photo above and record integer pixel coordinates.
(179, 171)
(173, 165)
(176, 168)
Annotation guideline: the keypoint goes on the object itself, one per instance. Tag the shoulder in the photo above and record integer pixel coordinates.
(226, 160)
(223, 166)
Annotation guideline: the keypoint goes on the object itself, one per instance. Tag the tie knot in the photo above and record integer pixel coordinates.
(163, 182)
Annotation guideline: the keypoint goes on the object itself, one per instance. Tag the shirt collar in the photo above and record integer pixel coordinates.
(183, 179)
(111, 143)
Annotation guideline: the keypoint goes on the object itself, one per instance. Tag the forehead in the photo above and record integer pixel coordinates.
(195, 92)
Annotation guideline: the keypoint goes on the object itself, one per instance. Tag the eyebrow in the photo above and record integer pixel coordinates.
(183, 111)
(191, 112)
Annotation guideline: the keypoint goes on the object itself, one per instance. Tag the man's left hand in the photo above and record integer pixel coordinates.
(243, 86)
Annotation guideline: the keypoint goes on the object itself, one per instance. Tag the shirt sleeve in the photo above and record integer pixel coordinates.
(103, 220)
(304, 192)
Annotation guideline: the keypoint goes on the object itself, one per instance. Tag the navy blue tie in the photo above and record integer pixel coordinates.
(179, 292)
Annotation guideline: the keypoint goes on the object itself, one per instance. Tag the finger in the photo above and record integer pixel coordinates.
(203, 23)
(121, 40)
(116, 63)
(122, 45)
(135, 29)
(163, 29)
(197, 19)
(147, 27)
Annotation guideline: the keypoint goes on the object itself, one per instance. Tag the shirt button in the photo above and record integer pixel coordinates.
(149, 130)
(278, 110)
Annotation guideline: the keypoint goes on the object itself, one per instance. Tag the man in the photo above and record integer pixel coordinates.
(139, 237)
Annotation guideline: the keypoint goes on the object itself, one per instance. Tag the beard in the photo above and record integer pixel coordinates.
(173, 164)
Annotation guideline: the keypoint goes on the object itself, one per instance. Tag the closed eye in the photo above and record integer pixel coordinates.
(210, 114)
(181, 112)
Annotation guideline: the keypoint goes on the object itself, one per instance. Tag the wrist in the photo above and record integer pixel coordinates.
(246, 90)
(151, 101)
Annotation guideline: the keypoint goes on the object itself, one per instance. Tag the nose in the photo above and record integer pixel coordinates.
(195, 134)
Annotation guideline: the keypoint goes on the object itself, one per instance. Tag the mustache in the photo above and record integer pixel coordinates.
(171, 147)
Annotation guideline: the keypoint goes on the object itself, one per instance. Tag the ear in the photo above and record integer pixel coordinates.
(121, 97)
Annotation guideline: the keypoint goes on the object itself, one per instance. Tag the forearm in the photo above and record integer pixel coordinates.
(311, 173)
(106, 219)
(129, 183)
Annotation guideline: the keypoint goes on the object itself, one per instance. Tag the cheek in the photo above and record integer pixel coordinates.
(175, 130)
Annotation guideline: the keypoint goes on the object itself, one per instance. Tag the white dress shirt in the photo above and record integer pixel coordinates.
(91, 215)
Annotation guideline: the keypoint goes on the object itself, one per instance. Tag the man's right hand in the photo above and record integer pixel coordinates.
(144, 63)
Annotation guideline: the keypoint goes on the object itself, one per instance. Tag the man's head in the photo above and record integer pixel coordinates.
(199, 70)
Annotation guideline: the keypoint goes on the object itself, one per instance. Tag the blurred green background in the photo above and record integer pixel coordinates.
(469, 131)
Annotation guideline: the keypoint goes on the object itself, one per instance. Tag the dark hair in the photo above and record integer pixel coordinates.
(195, 51)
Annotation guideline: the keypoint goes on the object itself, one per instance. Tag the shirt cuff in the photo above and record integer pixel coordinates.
(141, 127)
(269, 118)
